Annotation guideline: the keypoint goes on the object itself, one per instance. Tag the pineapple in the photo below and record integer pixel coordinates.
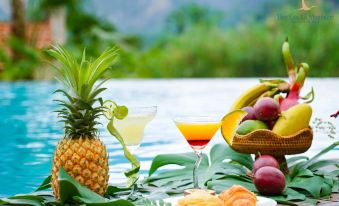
(80, 152)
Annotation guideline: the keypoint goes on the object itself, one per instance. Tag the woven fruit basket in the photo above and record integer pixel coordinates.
(266, 142)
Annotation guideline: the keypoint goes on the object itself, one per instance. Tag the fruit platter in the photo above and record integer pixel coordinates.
(272, 117)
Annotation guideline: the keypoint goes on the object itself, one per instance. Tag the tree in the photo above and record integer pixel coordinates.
(18, 29)
(190, 15)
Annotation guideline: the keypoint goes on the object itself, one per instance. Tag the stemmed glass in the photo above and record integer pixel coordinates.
(198, 131)
(132, 127)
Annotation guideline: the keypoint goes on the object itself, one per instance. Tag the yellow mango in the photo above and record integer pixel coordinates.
(292, 120)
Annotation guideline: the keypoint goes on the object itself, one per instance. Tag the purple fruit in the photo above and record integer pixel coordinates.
(266, 109)
(263, 161)
(269, 181)
(250, 113)
(270, 124)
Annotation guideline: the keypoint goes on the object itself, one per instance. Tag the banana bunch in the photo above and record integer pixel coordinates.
(266, 88)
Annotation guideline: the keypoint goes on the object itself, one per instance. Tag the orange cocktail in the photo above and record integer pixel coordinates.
(198, 134)
(198, 131)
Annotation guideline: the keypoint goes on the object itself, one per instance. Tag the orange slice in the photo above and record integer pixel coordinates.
(230, 123)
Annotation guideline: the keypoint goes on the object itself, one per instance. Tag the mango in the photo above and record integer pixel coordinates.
(250, 125)
(292, 120)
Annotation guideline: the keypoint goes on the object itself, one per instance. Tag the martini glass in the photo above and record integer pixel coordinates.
(132, 127)
(198, 131)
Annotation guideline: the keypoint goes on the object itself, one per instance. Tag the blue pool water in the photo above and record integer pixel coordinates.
(29, 129)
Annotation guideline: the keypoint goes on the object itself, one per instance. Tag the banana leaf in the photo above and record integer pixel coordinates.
(71, 191)
(223, 161)
(306, 182)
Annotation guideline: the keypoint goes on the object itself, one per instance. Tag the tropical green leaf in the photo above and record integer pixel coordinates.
(71, 190)
(220, 152)
(310, 184)
(294, 195)
(225, 162)
(305, 173)
(185, 160)
(225, 183)
(282, 200)
(114, 190)
(34, 199)
(7, 201)
(45, 184)
(323, 163)
(292, 160)
(316, 157)
(326, 189)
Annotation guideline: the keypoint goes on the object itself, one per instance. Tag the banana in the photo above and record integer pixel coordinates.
(251, 95)
(268, 93)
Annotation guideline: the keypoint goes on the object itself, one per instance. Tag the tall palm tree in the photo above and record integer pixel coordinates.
(18, 29)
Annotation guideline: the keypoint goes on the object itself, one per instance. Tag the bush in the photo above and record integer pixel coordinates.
(251, 49)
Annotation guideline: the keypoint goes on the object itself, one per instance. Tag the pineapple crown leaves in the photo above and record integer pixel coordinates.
(81, 83)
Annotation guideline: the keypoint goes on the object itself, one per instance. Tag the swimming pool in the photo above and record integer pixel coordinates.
(29, 129)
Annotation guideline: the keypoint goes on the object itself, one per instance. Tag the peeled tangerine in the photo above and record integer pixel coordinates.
(200, 198)
(238, 196)
(293, 120)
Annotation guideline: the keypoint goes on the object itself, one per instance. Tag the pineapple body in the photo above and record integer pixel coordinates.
(85, 159)
(80, 152)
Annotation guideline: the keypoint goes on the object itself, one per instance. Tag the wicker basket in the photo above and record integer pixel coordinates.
(266, 142)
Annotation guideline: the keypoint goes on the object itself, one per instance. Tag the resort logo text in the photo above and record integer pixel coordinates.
(304, 6)
(304, 16)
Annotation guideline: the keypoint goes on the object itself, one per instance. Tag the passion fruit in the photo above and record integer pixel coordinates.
(269, 181)
(250, 113)
(266, 109)
(265, 160)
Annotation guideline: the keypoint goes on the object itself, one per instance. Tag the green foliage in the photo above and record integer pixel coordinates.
(252, 48)
(78, 112)
(22, 67)
(198, 42)
(306, 182)
(190, 15)
(71, 193)
(225, 162)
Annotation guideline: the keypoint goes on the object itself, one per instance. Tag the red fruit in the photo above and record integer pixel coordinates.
(269, 181)
(265, 160)
(270, 124)
(266, 109)
(250, 113)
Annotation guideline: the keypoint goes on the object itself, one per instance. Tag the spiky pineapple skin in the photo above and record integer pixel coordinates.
(85, 159)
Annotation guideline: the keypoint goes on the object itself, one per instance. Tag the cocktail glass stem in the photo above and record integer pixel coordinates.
(195, 169)
(134, 189)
